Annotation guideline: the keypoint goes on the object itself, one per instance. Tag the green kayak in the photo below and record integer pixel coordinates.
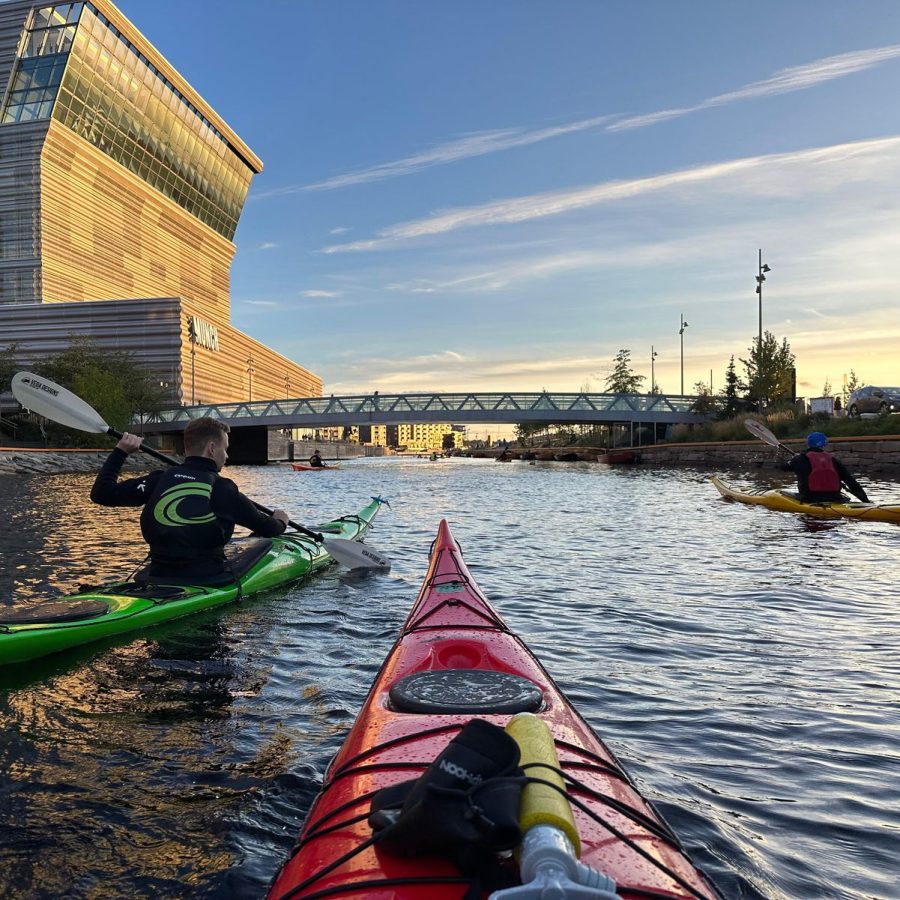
(257, 564)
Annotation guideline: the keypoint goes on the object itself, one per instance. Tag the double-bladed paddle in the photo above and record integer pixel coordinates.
(758, 430)
(54, 402)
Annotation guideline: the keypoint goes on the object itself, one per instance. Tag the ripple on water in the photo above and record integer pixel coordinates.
(741, 663)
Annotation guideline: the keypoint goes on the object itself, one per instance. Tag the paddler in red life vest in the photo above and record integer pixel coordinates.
(820, 475)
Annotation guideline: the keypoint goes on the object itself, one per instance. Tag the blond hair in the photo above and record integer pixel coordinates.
(199, 432)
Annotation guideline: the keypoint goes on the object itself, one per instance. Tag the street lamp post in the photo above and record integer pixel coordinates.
(653, 355)
(760, 278)
(681, 333)
(250, 378)
(192, 333)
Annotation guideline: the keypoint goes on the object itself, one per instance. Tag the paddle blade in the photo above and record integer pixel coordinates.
(757, 429)
(355, 555)
(53, 401)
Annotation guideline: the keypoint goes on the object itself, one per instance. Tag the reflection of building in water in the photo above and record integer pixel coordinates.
(120, 192)
(415, 438)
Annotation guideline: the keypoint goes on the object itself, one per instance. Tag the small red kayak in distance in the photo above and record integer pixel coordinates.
(303, 467)
(454, 661)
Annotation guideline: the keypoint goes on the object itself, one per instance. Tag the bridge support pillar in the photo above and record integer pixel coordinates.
(248, 446)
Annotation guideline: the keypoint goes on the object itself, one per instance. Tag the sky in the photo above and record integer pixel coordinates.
(499, 196)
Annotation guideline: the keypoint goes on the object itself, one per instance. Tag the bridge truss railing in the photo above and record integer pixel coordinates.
(465, 406)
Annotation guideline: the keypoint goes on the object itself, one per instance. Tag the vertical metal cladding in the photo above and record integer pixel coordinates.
(120, 190)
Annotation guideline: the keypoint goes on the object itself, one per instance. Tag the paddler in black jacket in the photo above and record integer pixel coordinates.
(820, 475)
(190, 511)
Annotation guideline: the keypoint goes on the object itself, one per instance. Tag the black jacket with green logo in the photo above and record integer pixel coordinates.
(189, 515)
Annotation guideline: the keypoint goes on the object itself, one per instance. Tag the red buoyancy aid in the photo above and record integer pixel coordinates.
(823, 475)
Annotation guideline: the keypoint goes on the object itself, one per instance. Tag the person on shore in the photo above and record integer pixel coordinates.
(190, 511)
(316, 460)
(820, 474)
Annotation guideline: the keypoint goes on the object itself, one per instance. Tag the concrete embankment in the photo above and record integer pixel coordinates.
(21, 460)
(15, 460)
(862, 455)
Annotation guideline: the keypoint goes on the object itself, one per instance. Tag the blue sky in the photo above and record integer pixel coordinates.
(499, 196)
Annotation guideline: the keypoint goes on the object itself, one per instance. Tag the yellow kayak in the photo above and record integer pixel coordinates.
(789, 501)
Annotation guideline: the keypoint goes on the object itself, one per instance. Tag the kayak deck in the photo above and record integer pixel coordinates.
(789, 501)
(453, 633)
(259, 564)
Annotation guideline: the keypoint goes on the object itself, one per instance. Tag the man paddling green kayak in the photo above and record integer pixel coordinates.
(189, 511)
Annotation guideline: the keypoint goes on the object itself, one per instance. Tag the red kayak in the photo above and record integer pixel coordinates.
(456, 660)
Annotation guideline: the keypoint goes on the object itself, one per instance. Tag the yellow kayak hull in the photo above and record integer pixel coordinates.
(787, 501)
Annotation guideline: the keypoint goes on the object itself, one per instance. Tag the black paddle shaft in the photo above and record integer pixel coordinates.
(174, 462)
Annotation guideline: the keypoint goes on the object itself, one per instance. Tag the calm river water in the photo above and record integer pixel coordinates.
(743, 664)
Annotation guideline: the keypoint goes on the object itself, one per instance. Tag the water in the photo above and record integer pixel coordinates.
(742, 664)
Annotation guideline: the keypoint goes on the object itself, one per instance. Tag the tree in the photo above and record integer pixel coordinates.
(853, 384)
(769, 370)
(826, 388)
(110, 381)
(8, 366)
(525, 431)
(705, 402)
(622, 379)
(733, 404)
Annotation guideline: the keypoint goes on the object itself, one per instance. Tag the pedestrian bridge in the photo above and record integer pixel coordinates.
(542, 408)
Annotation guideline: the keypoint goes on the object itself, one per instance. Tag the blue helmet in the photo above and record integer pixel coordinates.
(817, 440)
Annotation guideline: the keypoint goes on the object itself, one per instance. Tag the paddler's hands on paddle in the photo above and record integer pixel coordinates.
(129, 443)
(282, 516)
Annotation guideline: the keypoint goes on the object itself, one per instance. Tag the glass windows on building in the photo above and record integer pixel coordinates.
(42, 58)
(77, 67)
(114, 97)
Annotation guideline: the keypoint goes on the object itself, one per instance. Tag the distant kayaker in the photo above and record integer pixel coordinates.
(820, 475)
(316, 460)
(190, 511)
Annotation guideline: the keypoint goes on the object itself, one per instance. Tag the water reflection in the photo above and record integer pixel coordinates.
(740, 662)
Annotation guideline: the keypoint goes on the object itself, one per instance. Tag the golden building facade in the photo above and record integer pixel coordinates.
(119, 183)
(417, 438)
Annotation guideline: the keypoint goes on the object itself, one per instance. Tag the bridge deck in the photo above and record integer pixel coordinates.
(463, 408)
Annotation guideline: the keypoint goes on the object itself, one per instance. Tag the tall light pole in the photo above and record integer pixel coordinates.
(681, 333)
(250, 378)
(653, 355)
(760, 278)
(192, 333)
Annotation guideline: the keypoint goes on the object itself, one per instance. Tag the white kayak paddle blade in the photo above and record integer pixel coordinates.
(757, 429)
(54, 402)
(355, 555)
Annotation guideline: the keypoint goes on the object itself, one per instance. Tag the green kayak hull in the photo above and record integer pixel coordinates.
(27, 633)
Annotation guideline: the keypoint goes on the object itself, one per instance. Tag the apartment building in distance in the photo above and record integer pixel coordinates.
(420, 438)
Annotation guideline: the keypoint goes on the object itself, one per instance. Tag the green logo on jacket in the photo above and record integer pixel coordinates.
(166, 510)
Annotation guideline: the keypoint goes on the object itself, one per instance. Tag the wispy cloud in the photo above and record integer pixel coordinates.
(268, 245)
(780, 172)
(470, 145)
(339, 230)
(268, 304)
(319, 293)
(795, 78)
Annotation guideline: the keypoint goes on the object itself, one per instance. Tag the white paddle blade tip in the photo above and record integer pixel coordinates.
(355, 555)
(52, 401)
